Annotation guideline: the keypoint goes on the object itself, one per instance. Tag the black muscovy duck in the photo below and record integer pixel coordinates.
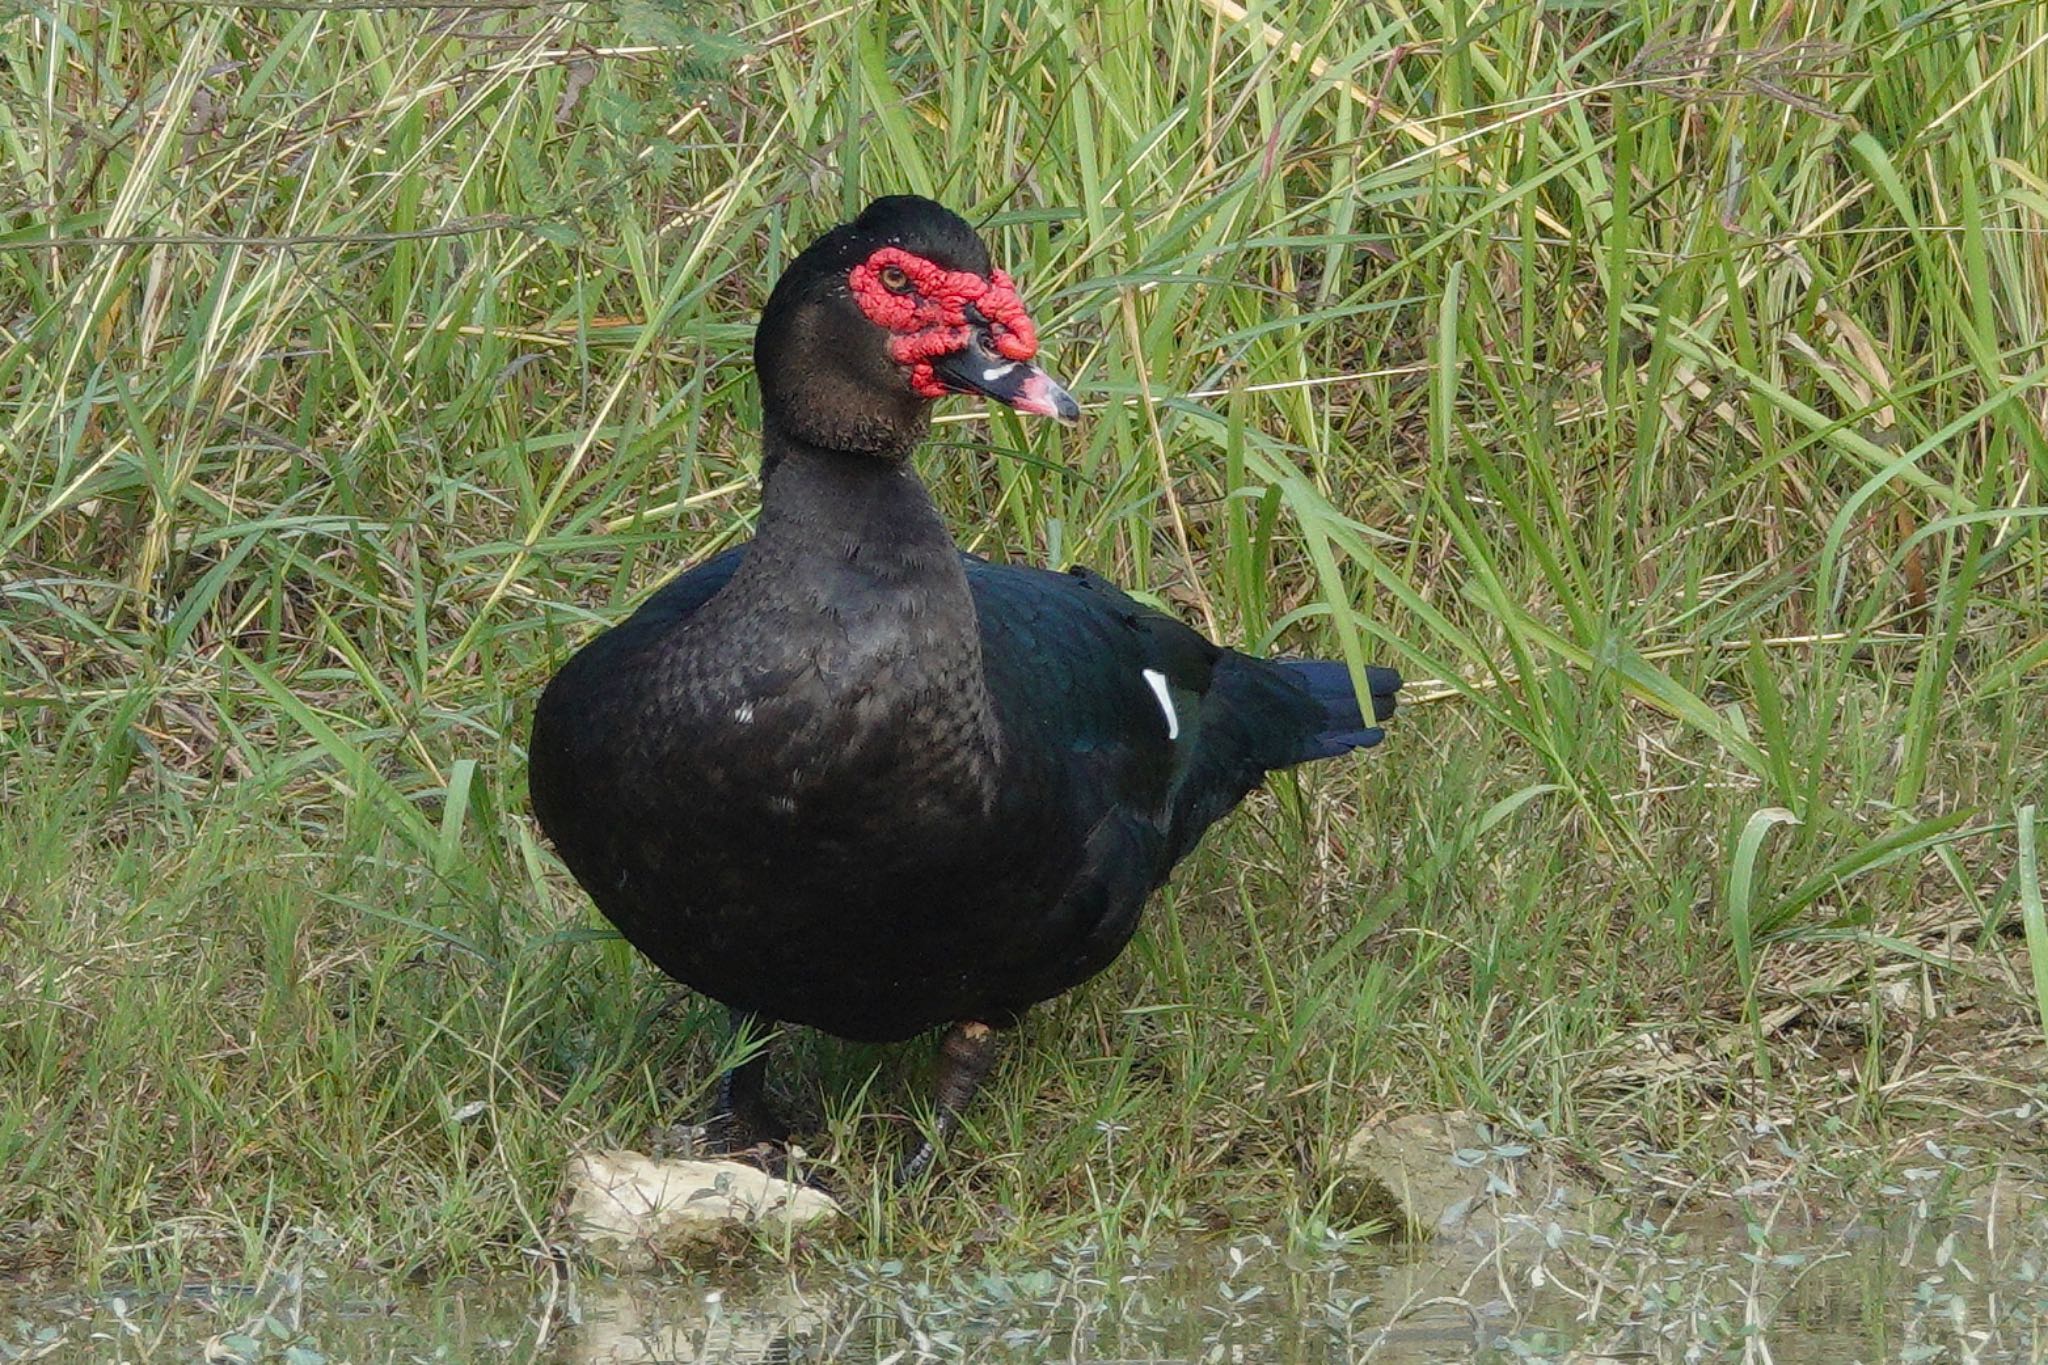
(851, 777)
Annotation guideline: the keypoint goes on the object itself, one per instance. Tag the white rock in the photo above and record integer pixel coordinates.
(633, 1210)
(1409, 1172)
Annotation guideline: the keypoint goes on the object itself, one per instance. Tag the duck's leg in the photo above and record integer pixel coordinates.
(966, 1053)
(740, 1116)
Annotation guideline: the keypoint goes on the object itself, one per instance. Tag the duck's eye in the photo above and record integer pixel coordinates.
(894, 280)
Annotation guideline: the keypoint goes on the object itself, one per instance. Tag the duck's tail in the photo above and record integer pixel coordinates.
(1344, 726)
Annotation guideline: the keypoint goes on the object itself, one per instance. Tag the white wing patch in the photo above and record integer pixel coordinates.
(1157, 682)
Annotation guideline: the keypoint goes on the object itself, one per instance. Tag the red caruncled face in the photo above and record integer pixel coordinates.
(924, 306)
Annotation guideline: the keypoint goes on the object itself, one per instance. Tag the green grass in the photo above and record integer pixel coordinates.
(1661, 385)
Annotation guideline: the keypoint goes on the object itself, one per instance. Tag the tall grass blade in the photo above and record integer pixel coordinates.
(2032, 912)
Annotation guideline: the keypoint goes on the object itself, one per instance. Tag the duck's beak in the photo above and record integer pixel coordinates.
(977, 368)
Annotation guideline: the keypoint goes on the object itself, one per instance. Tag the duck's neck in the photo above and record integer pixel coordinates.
(853, 582)
(852, 569)
(849, 516)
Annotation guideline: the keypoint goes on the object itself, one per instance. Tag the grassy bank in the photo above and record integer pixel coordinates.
(1661, 384)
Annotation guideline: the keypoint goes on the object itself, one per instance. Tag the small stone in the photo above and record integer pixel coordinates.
(1423, 1175)
(632, 1210)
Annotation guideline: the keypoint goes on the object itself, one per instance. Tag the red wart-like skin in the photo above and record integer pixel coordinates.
(930, 315)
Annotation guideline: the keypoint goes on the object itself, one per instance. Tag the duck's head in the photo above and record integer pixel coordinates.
(882, 315)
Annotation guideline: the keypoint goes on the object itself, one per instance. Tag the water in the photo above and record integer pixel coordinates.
(1921, 1289)
(1845, 1297)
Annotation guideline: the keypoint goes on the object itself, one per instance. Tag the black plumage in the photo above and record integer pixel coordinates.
(850, 777)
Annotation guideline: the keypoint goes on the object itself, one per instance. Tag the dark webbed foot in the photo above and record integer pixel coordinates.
(966, 1054)
(741, 1120)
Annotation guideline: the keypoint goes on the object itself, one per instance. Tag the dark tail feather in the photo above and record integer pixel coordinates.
(1261, 715)
(1344, 725)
